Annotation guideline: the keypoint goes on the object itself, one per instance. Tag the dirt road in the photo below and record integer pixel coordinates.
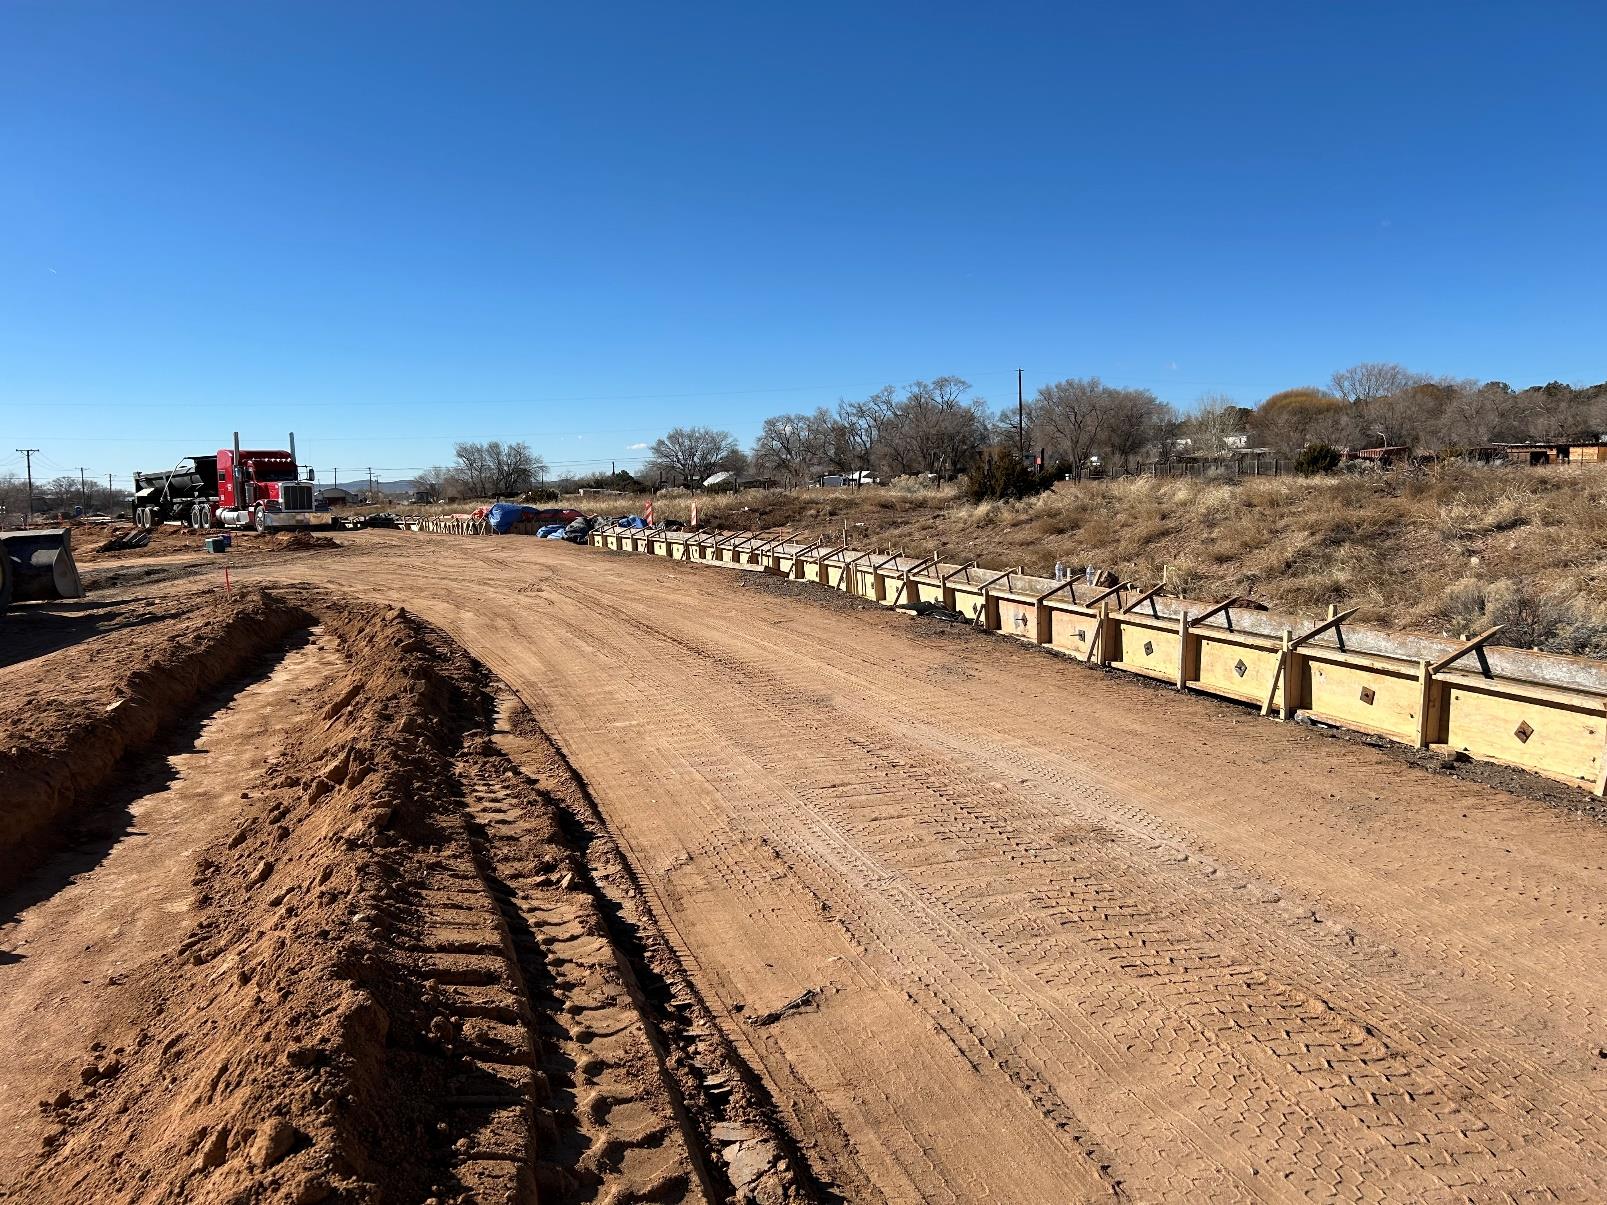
(993, 926)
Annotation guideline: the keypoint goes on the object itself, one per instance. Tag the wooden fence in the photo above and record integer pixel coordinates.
(1536, 711)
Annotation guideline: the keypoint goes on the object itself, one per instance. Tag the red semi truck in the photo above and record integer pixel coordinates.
(236, 488)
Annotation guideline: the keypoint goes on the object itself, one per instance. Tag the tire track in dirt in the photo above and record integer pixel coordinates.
(801, 798)
(1395, 1093)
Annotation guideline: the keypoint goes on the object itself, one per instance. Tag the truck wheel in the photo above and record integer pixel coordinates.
(260, 522)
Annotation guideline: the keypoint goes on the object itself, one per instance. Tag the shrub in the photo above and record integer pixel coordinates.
(1317, 458)
(999, 474)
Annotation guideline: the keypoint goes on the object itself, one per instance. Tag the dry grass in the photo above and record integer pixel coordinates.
(1452, 550)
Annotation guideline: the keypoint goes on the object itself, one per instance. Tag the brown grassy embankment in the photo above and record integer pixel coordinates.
(1450, 550)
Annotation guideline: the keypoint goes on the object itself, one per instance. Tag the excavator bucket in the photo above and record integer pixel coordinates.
(40, 564)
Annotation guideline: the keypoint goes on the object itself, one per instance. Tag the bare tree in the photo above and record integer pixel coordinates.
(935, 429)
(62, 493)
(1069, 418)
(1362, 383)
(432, 482)
(686, 455)
(1289, 420)
(1214, 423)
(1132, 423)
(787, 448)
(497, 470)
(863, 424)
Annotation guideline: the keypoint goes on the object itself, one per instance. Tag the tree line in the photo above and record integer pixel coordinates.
(941, 429)
(64, 494)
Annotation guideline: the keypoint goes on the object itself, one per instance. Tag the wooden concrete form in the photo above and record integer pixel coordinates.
(1537, 711)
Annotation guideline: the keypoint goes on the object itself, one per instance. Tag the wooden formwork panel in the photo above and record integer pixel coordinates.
(868, 584)
(1365, 694)
(812, 571)
(969, 603)
(1072, 629)
(894, 590)
(1145, 647)
(1017, 618)
(926, 592)
(832, 575)
(1233, 666)
(1537, 734)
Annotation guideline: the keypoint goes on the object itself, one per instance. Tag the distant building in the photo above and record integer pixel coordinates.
(335, 496)
(1590, 451)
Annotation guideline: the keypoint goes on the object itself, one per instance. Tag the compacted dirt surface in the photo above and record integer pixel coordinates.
(587, 876)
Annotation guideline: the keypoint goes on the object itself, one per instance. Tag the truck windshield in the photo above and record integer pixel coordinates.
(273, 472)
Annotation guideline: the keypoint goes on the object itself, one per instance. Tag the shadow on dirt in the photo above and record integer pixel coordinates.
(31, 630)
(85, 844)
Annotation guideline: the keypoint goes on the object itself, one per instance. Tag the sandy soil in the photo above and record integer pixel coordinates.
(317, 936)
(720, 890)
(991, 925)
(90, 915)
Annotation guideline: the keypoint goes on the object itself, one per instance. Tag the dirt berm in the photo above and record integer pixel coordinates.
(82, 710)
(397, 983)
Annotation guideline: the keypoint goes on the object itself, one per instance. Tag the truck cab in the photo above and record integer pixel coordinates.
(263, 489)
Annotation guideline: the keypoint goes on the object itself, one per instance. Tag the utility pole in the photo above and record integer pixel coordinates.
(108, 493)
(336, 482)
(27, 519)
(370, 483)
(83, 490)
(1021, 418)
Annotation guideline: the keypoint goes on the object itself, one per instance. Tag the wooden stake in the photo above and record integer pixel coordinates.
(1476, 643)
(1144, 598)
(1277, 674)
(1183, 650)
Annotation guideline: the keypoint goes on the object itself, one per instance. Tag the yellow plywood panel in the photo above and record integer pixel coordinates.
(969, 603)
(1018, 619)
(1145, 649)
(926, 592)
(895, 590)
(1360, 696)
(1234, 670)
(1560, 741)
(833, 575)
(1072, 631)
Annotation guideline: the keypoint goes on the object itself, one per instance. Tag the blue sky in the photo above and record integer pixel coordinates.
(388, 226)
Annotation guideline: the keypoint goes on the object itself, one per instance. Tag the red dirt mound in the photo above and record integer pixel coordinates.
(65, 733)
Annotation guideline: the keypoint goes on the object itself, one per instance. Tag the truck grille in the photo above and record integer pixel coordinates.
(295, 495)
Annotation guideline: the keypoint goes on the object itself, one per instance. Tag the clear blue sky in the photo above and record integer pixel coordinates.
(386, 226)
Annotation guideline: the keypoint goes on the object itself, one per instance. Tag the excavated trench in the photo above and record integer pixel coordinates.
(292, 915)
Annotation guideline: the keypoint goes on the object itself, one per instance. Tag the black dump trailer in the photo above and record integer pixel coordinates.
(164, 495)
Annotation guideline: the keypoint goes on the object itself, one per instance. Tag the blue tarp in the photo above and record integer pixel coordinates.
(504, 515)
(551, 530)
(634, 521)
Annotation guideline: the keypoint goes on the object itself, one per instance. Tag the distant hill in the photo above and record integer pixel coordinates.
(359, 485)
